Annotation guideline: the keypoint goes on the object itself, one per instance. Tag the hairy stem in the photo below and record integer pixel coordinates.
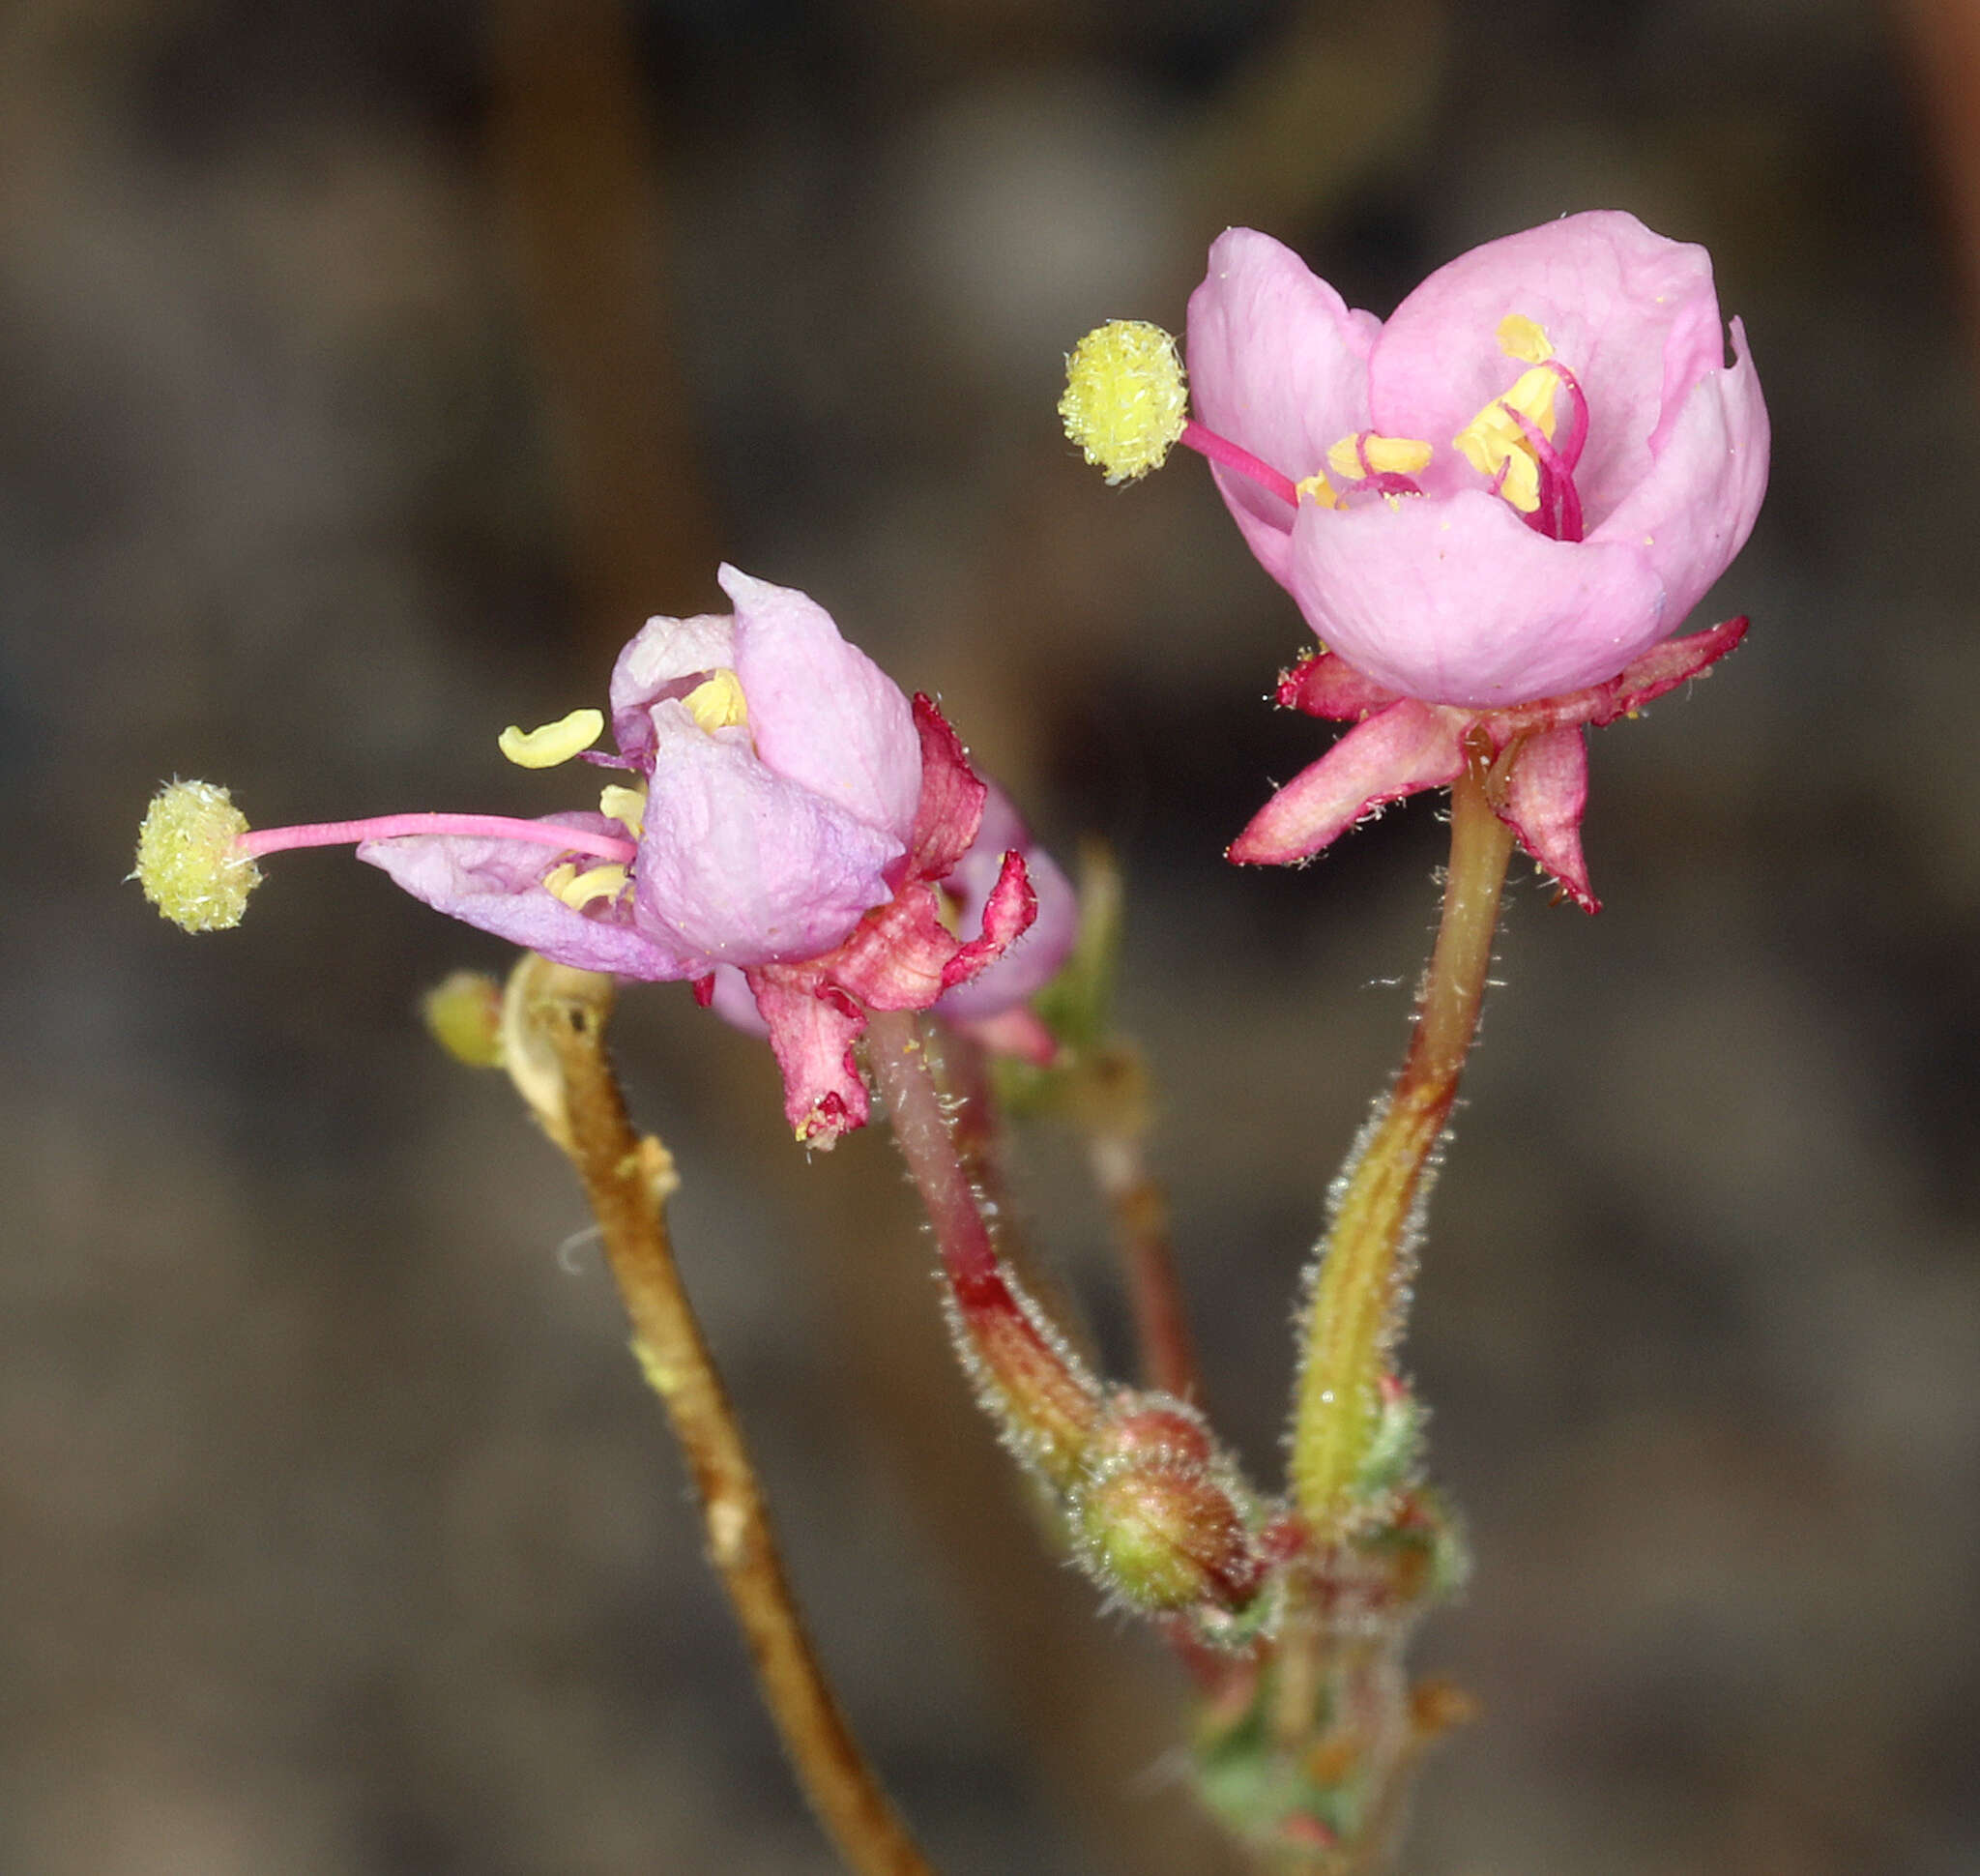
(1038, 1389)
(627, 1179)
(1360, 1291)
(1148, 1259)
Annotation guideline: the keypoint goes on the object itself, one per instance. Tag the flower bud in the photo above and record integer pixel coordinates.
(463, 1014)
(1158, 1517)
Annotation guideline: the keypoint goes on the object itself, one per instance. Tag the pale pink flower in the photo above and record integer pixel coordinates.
(1519, 483)
(778, 807)
(1492, 508)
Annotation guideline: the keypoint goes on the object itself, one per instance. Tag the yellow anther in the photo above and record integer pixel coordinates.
(718, 702)
(187, 859)
(554, 742)
(1523, 339)
(1319, 491)
(625, 806)
(1364, 454)
(1532, 396)
(578, 890)
(1494, 437)
(1124, 403)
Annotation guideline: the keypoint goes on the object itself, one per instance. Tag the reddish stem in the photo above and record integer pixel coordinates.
(1037, 1383)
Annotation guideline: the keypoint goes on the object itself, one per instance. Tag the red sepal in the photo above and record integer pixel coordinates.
(1406, 745)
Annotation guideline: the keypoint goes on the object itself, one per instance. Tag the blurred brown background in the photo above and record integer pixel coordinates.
(367, 371)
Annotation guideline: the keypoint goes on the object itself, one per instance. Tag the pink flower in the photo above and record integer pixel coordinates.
(1493, 510)
(1517, 485)
(785, 811)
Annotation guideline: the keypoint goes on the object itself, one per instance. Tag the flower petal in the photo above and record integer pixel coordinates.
(812, 1029)
(821, 711)
(1277, 364)
(1692, 512)
(1399, 751)
(741, 866)
(1612, 297)
(1455, 600)
(666, 658)
(1546, 793)
(497, 885)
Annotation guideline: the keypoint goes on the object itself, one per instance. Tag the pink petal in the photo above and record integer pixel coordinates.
(1404, 748)
(1694, 510)
(1017, 1031)
(666, 658)
(1455, 600)
(1545, 796)
(741, 866)
(1609, 293)
(1278, 363)
(821, 711)
(497, 886)
(952, 797)
(812, 1029)
(1324, 684)
(732, 999)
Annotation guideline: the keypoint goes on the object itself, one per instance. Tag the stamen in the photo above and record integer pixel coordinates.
(1365, 454)
(578, 890)
(1557, 510)
(718, 702)
(626, 806)
(1525, 339)
(554, 742)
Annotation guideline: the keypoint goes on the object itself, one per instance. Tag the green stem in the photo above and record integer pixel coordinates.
(1360, 1291)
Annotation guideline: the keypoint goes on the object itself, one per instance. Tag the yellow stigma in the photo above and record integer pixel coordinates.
(1394, 455)
(554, 742)
(1124, 403)
(1525, 339)
(578, 890)
(1317, 490)
(718, 702)
(625, 806)
(187, 859)
(1494, 436)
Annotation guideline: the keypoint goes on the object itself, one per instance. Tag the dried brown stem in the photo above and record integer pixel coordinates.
(560, 1025)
